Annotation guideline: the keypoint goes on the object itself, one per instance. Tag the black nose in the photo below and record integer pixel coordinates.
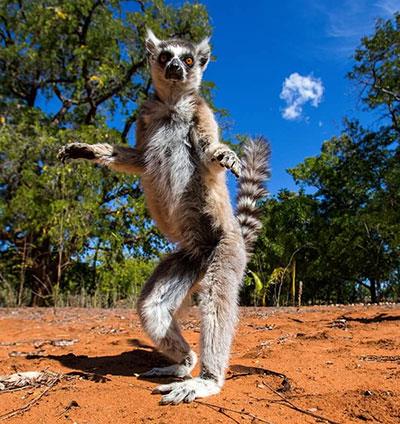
(174, 70)
(174, 65)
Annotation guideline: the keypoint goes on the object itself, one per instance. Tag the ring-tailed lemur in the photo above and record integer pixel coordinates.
(182, 167)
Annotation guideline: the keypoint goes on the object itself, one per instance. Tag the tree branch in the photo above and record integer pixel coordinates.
(386, 91)
(117, 87)
(82, 34)
(135, 193)
(7, 30)
(66, 104)
(132, 118)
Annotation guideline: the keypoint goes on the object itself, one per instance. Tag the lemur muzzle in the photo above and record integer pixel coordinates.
(174, 70)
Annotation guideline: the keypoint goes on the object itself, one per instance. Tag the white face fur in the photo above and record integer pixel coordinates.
(176, 64)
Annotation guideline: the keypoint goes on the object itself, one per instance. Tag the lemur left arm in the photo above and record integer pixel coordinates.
(117, 157)
(205, 133)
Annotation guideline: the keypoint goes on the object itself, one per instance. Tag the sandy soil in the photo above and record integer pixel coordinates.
(343, 364)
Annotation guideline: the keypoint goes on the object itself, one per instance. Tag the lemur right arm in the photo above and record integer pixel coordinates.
(206, 133)
(119, 158)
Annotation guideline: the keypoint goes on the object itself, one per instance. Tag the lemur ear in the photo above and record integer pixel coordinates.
(151, 42)
(203, 52)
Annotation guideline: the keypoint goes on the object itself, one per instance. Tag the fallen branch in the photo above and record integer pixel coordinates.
(381, 358)
(86, 376)
(290, 404)
(18, 389)
(41, 342)
(29, 405)
(243, 370)
(27, 379)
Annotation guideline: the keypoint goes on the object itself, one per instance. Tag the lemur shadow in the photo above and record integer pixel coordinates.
(126, 364)
(377, 318)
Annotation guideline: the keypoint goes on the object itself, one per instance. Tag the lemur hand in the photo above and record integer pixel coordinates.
(228, 158)
(76, 151)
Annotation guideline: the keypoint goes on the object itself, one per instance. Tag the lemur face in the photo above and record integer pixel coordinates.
(177, 62)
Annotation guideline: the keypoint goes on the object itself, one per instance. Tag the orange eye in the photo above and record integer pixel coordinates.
(189, 61)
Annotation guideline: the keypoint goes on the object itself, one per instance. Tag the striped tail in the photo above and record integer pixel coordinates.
(255, 172)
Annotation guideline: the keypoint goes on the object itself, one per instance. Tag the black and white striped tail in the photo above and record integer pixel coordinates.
(255, 172)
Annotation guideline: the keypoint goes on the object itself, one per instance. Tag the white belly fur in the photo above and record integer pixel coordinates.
(169, 167)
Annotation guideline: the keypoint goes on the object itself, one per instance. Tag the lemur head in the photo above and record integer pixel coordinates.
(176, 64)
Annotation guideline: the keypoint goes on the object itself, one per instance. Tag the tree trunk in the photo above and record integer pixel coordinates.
(339, 293)
(373, 290)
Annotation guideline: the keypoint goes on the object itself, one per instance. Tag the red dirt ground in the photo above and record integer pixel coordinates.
(343, 364)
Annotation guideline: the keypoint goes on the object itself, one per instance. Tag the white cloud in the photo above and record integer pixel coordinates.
(297, 90)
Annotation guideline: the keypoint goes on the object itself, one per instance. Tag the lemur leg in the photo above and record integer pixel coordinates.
(218, 304)
(161, 297)
(118, 158)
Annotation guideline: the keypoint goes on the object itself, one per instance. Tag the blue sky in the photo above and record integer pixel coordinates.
(258, 44)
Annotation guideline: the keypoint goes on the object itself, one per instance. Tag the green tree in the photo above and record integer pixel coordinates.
(74, 70)
(377, 70)
(353, 177)
(285, 245)
(345, 235)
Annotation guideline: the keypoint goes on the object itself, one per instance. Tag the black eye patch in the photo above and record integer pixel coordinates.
(203, 60)
(164, 57)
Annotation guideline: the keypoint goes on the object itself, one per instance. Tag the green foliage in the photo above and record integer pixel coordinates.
(261, 289)
(112, 284)
(285, 238)
(377, 69)
(344, 235)
(78, 234)
(67, 69)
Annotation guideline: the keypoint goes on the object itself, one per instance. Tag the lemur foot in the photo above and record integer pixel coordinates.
(76, 151)
(187, 391)
(228, 159)
(177, 370)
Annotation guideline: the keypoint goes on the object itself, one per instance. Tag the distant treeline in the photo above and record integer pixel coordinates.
(79, 235)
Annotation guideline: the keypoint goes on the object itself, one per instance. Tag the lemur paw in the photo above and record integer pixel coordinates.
(228, 159)
(180, 371)
(76, 151)
(187, 391)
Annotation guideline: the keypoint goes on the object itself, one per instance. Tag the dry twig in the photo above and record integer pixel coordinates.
(243, 370)
(29, 405)
(218, 408)
(26, 379)
(290, 404)
(223, 409)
